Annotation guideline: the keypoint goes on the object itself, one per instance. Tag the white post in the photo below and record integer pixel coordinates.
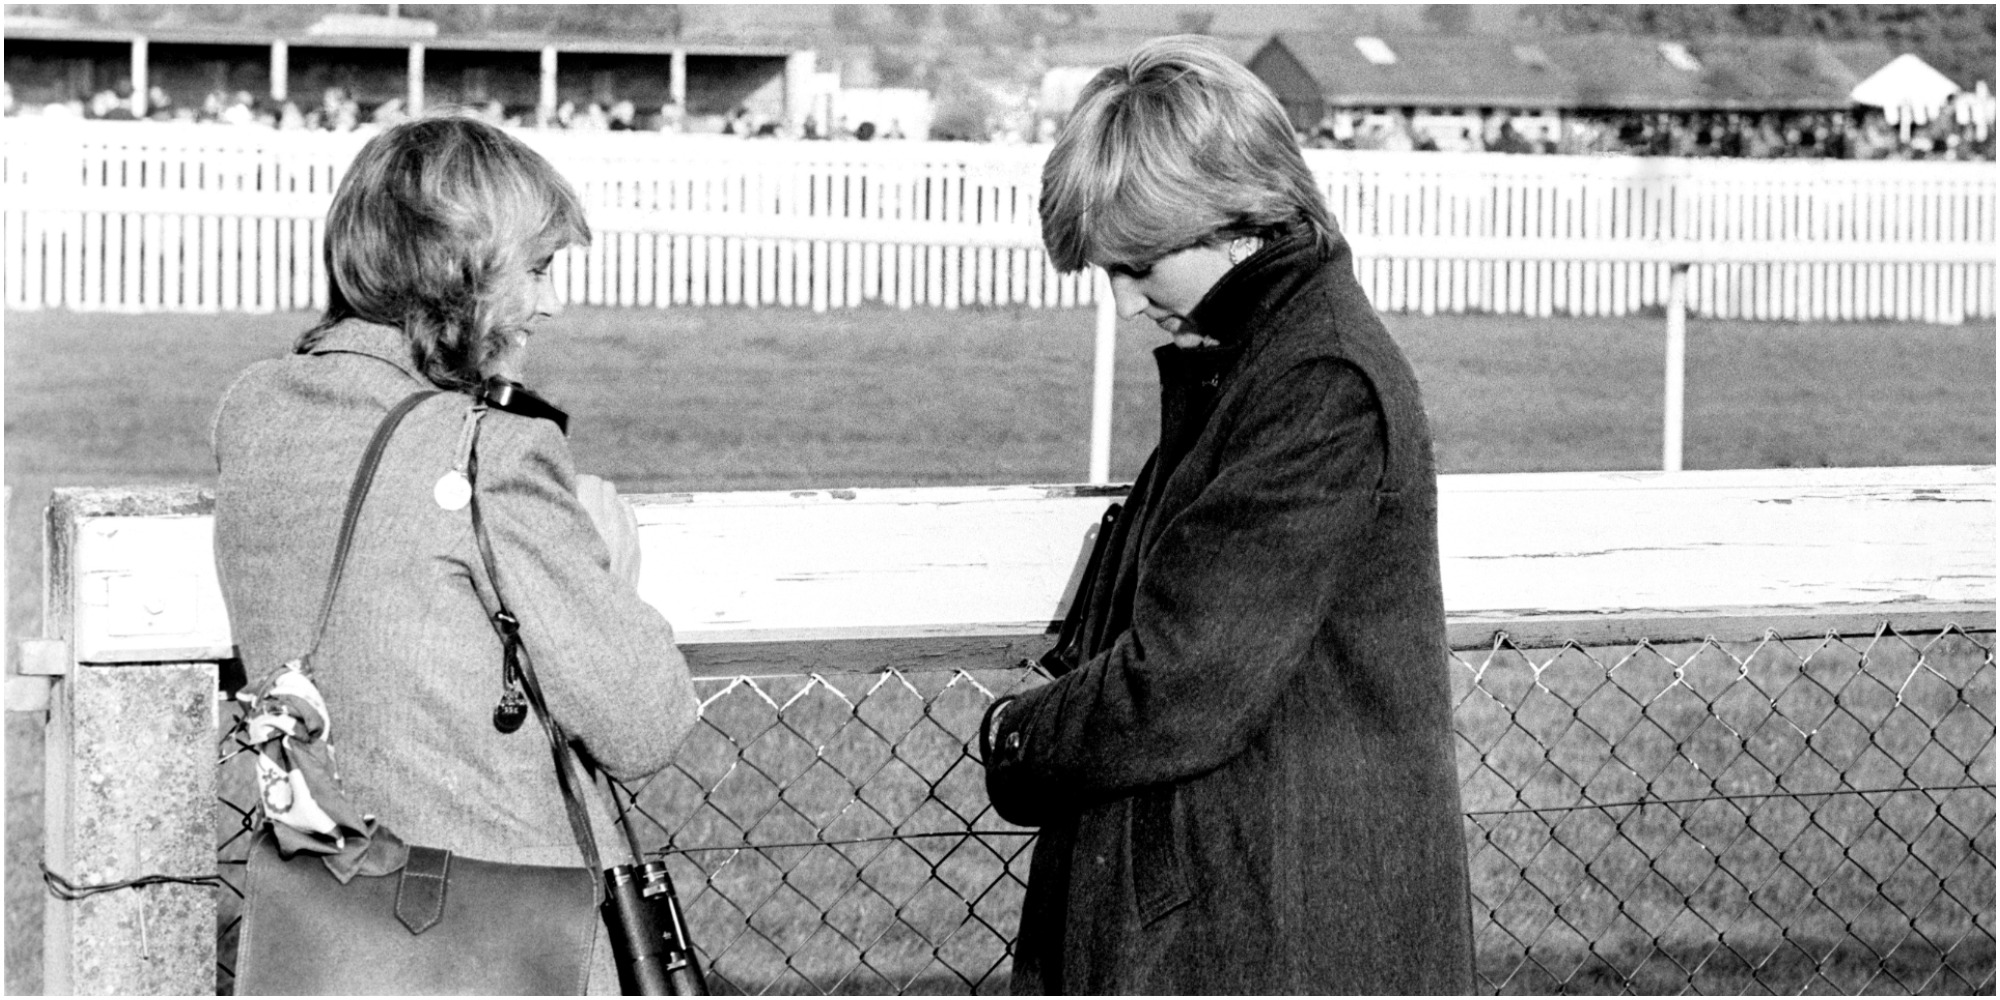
(281, 70)
(139, 46)
(415, 97)
(548, 94)
(798, 84)
(1100, 392)
(1676, 367)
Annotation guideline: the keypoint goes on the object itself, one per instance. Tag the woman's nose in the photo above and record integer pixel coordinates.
(1126, 296)
(546, 302)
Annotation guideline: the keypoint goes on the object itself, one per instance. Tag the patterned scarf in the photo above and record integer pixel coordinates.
(299, 787)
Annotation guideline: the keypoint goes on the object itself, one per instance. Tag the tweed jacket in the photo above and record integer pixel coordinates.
(410, 666)
(1247, 784)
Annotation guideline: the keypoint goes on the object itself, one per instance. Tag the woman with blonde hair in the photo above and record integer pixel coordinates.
(1243, 769)
(438, 250)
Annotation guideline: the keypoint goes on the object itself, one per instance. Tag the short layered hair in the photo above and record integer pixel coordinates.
(432, 221)
(1178, 147)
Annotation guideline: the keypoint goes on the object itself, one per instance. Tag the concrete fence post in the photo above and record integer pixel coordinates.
(130, 759)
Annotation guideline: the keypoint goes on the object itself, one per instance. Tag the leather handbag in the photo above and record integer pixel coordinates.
(443, 924)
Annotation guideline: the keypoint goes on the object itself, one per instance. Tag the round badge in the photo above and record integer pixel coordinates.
(452, 491)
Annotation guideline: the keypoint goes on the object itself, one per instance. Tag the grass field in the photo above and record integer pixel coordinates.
(723, 399)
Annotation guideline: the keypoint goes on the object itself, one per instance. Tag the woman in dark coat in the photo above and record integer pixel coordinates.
(1244, 774)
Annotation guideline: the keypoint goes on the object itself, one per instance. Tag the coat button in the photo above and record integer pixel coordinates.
(1014, 740)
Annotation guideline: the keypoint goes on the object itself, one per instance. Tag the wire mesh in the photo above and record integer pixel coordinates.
(1792, 816)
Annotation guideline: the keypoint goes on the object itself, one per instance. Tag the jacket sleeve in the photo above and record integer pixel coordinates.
(1228, 602)
(606, 660)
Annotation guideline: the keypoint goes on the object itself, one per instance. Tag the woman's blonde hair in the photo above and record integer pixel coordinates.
(432, 221)
(1178, 147)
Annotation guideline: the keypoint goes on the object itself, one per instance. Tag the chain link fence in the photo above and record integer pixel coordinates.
(1799, 816)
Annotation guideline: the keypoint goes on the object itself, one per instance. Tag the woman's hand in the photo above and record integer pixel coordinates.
(615, 522)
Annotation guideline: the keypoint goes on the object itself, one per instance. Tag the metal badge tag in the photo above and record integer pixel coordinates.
(511, 712)
(453, 491)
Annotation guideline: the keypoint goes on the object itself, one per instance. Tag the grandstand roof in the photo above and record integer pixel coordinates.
(43, 30)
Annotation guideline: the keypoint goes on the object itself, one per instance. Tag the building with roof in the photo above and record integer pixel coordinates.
(1311, 73)
(379, 59)
(1448, 85)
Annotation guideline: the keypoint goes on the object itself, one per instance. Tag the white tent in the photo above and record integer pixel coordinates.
(1906, 88)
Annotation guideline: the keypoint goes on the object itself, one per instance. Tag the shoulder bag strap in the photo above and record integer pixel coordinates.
(357, 492)
(515, 654)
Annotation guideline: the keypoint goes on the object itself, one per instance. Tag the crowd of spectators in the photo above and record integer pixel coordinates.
(338, 111)
(1963, 132)
(335, 112)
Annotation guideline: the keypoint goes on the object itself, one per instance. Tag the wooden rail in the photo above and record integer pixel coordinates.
(1548, 553)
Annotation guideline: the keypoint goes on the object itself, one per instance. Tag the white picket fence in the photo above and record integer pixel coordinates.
(151, 216)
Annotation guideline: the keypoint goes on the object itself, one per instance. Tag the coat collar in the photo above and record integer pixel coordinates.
(358, 336)
(1234, 311)
(1237, 312)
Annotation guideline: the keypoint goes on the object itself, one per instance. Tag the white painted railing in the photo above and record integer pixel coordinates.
(145, 216)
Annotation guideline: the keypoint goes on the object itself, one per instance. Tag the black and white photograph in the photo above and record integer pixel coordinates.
(984, 499)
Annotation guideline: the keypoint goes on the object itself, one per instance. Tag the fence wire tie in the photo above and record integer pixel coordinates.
(63, 889)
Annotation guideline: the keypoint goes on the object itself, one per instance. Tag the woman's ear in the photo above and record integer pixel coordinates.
(1242, 248)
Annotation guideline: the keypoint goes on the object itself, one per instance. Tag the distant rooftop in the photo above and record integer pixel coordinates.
(1581, 71)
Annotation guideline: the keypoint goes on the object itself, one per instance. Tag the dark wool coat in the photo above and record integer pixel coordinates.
(1248, 785)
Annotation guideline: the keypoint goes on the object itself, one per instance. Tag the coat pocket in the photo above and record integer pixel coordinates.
(1159, 876)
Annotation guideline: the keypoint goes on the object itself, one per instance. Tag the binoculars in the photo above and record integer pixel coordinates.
(649, 935)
